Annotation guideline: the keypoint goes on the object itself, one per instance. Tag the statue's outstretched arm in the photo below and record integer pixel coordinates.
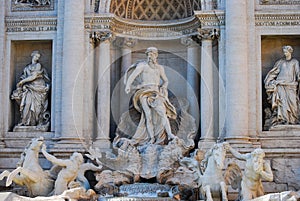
(237, 154)
(52, 158)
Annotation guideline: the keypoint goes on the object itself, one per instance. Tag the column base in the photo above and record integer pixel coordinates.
(69, 143)
(103, 144)
(240, 142)
(2, 144)
(206, 143)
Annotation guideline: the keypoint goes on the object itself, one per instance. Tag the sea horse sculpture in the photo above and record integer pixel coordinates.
(29, 173)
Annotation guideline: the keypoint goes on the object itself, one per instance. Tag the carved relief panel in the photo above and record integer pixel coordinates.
(31, 5)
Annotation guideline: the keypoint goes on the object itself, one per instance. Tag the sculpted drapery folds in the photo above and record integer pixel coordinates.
(32, 94)
(282, 87)
(151, 100)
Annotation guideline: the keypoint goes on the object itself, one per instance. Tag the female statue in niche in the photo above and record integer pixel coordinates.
(282, 87)
(32, 95)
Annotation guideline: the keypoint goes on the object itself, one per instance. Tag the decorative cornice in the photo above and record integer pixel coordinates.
(279, 2)
(30, 24)
(152, 30)
(100, 36)
(208, 33)
(271, 19)
(214, 18)
(98, 22)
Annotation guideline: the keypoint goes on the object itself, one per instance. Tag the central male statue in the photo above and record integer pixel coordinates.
(151, 100)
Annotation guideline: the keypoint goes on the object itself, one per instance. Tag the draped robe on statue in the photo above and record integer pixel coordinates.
(282, 84)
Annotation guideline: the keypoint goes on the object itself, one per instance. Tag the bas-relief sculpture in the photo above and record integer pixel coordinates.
(282, 87)
(32, 97)
(33, 2)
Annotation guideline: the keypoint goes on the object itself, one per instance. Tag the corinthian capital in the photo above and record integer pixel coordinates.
(208, 34)
(100, 36)
(125, 42)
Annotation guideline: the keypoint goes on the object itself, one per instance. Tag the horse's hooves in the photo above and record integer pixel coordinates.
(8, 182)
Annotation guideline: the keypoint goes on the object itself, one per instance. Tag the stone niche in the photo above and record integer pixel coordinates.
(20, 57)
(271, 51)
(176, 68)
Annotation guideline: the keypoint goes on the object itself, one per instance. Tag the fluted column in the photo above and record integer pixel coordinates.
(103, 91)
(192, 75)
(206, 4)
(236, 71)
(207, 86)
(72, 74)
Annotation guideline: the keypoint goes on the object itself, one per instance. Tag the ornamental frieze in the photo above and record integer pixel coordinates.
(31, 25)
(277, 20)
(147, 30)
(32, 5)
(279, 2)
(211, 18)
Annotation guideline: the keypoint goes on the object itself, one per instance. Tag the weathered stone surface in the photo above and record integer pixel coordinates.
(287, 171)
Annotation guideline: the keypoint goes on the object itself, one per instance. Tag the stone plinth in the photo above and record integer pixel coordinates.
(31, 128)
(21, 139)
(285, 128)
(283, 137)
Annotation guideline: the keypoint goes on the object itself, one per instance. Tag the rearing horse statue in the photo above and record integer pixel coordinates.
(212, 181)
(29, 173)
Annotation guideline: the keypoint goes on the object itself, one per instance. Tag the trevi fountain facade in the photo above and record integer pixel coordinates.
(150, 100)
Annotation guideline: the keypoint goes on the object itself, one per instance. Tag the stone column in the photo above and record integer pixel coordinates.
(72, 76)
(103, 91)
(192, 75)
(222, 82)
(236, 71)
(127, 45)
(2, 47)
(206, 4)
(207, 87)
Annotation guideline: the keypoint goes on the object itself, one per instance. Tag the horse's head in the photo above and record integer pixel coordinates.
(219, 153)
(36, 143)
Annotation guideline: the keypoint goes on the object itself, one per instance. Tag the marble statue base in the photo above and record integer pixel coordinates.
(285, 128)
(31, 128)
